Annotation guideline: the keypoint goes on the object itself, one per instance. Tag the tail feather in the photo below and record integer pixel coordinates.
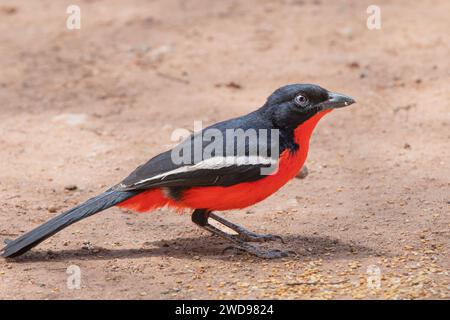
(92, 206)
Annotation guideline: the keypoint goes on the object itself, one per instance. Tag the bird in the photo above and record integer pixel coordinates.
(215, 169)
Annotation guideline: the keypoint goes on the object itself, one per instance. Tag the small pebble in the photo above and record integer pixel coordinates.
(303, 173)
(71, 187)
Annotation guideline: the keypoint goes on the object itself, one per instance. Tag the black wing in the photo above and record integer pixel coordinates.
(191, 176)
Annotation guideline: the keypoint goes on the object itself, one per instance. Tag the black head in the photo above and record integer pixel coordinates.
(293, 104)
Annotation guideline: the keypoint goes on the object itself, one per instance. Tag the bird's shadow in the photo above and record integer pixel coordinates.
(303, 248)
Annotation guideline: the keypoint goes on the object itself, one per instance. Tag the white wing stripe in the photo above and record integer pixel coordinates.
(214, 164)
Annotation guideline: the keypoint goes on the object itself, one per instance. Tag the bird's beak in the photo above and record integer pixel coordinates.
(337, 100)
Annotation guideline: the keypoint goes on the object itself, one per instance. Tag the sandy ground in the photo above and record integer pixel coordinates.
(83, 108)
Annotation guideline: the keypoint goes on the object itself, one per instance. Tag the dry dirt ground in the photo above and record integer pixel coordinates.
(85, 107)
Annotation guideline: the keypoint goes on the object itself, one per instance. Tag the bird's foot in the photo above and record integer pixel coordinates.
(260, 253)
(249, 236)
(243, 236)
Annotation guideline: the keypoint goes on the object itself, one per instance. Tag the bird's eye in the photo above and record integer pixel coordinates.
(301, 101)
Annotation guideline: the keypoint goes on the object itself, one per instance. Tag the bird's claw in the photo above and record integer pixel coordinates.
(231, 247)
(254, 237)
(272, 254)
(265, 254)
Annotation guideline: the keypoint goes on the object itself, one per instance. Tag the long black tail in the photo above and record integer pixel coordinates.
(94, 205)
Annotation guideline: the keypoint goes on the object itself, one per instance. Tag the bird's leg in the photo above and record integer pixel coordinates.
(200, 217)
(244, 234)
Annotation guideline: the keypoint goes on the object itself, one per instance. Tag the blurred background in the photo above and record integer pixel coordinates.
(81, 108)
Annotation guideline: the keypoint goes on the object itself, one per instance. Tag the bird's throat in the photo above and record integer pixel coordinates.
(303, 132)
